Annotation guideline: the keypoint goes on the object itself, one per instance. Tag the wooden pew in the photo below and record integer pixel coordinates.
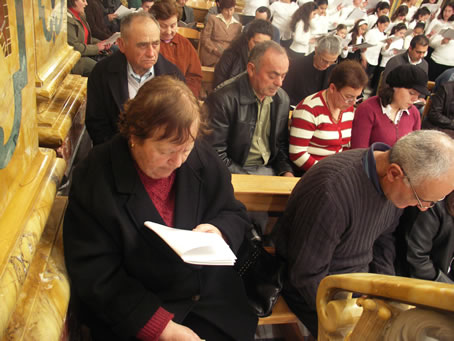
(263, 193)
(268, 193)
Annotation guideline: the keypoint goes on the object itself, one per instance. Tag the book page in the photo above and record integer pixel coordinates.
(363, 45)
(200, 248)
(113, 38)
(447, 33)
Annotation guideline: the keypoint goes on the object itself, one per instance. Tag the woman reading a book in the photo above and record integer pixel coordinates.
(129, 282)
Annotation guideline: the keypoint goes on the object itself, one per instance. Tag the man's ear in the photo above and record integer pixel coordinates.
(121, 44)
(394, 172)
(250, 69)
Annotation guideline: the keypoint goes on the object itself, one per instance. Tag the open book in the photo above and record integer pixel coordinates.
(362, 45)
(199, 248)
(123, 11)
(447, 33)
(113, 38)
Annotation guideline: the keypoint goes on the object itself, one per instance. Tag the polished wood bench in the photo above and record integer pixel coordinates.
(267, 193)
(263, 193)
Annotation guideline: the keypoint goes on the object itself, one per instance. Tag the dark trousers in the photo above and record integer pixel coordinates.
(306, 314)
(204, 329)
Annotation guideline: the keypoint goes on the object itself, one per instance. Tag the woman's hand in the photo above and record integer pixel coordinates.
(207, 228)
(101, 46)
(177, 332)
(112, 16)
(445, 41)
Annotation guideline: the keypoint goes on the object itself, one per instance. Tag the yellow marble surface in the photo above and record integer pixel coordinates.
(55, 70)
(54, 58)
(41, 309)
(55, 116)
(21, 227)
(28, 175)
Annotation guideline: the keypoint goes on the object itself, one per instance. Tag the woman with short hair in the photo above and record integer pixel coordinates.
(321, 123)
(391, 115)
(218, 33)
(129, 282)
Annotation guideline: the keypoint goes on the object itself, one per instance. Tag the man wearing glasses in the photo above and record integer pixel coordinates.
(341, 216)
(310, 74)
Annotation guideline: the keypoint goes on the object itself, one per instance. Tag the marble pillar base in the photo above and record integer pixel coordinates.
(41, 309)
(22, 224)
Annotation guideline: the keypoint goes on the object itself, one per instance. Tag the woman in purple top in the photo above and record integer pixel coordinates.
(391, 115)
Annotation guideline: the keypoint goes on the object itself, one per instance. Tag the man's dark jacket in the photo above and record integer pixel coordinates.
(233, 116)
(122, 272)
(107, 91)
(233, 61)
(441, 113)
(303, 79)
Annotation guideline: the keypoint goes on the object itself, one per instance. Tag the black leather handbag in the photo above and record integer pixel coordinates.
(262, 274)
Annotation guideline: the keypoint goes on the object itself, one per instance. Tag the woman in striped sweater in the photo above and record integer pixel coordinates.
(322, 122)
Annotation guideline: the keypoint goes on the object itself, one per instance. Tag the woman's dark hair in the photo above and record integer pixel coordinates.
(440, 16)
(396, 28)
(399, 12)
(355, 30)
(321, 2)
(420, 12)
(164, 10)
(341, 27)
(348, 73)
(155, 107)
(71, 3)
(381, 6)
(450, 203)
(385, 93)
(226, 4)
(420, 25)
(381, 19)
(303, 13)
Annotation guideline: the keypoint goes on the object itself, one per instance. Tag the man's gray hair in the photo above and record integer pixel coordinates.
(329, 44)
(424, 154)
(260, 49)
(125, 23)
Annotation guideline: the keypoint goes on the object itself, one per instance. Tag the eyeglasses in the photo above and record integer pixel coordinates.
(420, 201)
(349, 100)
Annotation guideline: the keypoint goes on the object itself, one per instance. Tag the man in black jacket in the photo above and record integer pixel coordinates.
(117, 78)
(249, 115)
(234, 60)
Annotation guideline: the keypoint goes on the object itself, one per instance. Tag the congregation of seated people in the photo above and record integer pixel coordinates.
(333, 94)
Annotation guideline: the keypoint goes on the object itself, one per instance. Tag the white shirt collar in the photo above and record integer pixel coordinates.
(411, 62)
(232, 20)
(135, 82)
(387, 111)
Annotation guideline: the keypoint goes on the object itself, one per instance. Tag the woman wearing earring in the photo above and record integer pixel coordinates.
(130, 284)
(321, 123)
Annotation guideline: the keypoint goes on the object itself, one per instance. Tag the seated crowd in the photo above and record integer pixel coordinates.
(296, 107)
